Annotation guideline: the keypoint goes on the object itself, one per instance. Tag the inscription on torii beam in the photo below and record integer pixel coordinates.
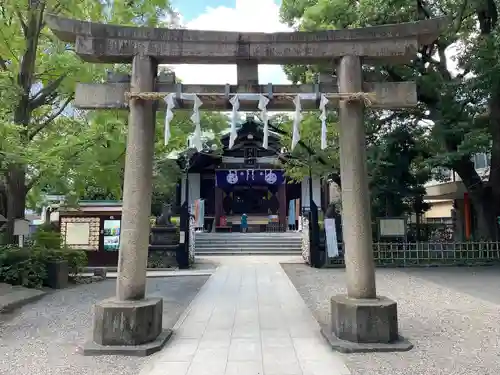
(104, 43)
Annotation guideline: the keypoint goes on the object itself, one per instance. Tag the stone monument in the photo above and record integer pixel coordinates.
(164, 240)
(131, 323)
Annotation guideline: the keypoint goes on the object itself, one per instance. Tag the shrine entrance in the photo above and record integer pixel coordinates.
(251, 200)
(260, 193)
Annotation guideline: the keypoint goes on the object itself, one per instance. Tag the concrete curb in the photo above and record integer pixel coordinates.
(153, 274)
(18, 297)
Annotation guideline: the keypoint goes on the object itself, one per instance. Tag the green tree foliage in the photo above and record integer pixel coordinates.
(462, 103)
(396, 165)
(97, 172)
(308, 152)
(40, 137)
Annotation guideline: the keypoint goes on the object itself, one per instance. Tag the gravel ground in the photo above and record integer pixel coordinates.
(43, 338)
(450, 315)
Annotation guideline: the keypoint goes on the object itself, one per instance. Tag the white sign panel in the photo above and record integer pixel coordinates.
(21, 227)
(77, 233)
(332, 248)
(393, 227)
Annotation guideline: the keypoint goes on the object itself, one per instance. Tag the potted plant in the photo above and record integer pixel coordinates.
(57, 269)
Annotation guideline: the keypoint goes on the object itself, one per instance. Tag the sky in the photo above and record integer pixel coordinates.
(229, 15)
(236, 15)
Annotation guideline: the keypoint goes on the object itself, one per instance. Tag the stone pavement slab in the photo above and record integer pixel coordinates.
(248, 319)
(13, 297)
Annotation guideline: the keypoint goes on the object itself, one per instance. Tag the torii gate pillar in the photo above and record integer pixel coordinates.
(361, 321)
(356, 218)
(131, 323)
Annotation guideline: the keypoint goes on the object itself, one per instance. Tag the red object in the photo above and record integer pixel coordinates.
(467, 216)
(223, 221)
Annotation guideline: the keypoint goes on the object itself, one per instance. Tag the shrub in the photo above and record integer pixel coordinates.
(47, 236)
(22, 266)
(28, 266)
(77, 260)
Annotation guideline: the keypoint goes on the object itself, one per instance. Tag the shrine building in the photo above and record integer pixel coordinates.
(248, 179)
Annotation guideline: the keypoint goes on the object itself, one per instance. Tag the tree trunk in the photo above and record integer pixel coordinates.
(481, 197)
(15, 179)
(16, 199)
(494, 178)
(3, 200)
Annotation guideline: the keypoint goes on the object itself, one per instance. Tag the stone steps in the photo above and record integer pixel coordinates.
(254, 252)
(249, 243)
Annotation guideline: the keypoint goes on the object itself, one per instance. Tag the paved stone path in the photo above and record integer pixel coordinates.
(248, 319)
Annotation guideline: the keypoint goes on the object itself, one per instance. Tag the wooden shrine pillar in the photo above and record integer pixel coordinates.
(282, 205)
(218, 197)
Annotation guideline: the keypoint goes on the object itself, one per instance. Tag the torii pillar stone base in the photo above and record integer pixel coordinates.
(361, 321)
(131, 324)
(132, 328)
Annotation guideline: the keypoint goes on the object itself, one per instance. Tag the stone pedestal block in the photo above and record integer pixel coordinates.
(364, 325)
(57, 274)
(127, 327)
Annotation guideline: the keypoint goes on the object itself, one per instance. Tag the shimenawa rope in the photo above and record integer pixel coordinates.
(368, 98)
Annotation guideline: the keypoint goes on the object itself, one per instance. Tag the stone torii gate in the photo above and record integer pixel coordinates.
(131, 323)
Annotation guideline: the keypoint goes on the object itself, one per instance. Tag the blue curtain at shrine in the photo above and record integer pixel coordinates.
(229, 178)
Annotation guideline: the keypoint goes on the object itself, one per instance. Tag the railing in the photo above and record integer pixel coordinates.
(306, 251)
(275, 228)
(428, 254)
(192, 239)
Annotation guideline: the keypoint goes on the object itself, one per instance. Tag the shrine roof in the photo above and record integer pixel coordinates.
(252, 127)
(202, 160)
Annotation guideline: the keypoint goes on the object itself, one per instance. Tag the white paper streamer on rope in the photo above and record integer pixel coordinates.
(296, 122)
(322, 106)
(234, 116)
(169, 100)
(195, 117)
(263, 102)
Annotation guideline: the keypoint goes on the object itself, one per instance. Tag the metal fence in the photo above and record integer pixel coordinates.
(429, 254)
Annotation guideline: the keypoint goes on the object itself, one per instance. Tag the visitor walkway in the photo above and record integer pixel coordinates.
(248, 319)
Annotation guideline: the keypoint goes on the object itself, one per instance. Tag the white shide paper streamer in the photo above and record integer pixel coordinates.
(195, 117)
(234, 116)
(169, 100)
(322, 106)
(263, 102)
(296, 122)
